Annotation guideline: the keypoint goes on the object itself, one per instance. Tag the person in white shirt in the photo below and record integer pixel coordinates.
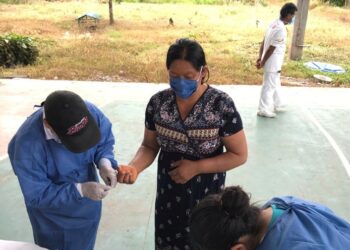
(271, 56)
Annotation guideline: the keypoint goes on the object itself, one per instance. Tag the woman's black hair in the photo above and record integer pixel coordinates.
(288, 8)
(188, 50)
(219, 220)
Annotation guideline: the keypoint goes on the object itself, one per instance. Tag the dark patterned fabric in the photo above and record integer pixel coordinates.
(196, 137)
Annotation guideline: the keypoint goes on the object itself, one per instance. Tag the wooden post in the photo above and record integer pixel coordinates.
(111, 19)
(347, 4)
(296, 50)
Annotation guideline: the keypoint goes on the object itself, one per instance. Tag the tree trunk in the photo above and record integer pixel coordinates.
(111, 19)
(296, 51)
(347, 4)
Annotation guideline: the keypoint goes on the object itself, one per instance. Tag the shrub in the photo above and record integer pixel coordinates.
(338, 3)
(17, 50)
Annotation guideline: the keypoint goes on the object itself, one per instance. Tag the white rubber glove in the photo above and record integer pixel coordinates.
(107, 173)
(94, 190)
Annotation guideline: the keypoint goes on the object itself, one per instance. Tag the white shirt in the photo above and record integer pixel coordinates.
(276, 35)
(49, 133)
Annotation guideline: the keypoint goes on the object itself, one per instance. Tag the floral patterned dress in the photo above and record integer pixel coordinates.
(196, 137)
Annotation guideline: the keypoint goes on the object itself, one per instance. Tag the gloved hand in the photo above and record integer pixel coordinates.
(94, 190)
(108, 175)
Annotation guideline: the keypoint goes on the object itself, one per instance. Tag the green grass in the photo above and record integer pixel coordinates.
(114, 34)
(134, 49)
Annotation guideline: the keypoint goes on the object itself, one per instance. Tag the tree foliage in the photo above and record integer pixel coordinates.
(17, 50)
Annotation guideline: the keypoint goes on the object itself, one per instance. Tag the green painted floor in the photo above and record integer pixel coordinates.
(303, 152)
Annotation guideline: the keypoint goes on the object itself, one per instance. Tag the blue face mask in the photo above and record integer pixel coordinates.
(184, 88)
(292, 21)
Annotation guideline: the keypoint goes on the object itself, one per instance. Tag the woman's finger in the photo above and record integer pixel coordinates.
(172, 172)
(175, 164)
(120, 177)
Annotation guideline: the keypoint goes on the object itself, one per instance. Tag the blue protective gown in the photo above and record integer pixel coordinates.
(47, 173)
(305, 226)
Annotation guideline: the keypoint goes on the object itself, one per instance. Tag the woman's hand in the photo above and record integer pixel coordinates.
(182, 171)
(258, 63)
(127, 174)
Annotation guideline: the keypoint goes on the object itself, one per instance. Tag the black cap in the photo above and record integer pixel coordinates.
(69, 117)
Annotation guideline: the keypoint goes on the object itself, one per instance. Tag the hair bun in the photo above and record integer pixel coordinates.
(235, 201)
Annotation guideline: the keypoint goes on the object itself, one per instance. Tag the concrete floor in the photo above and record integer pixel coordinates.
(303, 152)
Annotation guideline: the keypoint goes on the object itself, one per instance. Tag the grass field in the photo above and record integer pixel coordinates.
(134, 48)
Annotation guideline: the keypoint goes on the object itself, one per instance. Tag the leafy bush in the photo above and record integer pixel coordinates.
(17, 50)
(338, 3)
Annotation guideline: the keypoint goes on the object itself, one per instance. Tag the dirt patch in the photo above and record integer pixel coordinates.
(297, 82)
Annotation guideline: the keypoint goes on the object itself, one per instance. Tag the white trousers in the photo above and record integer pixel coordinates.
(271, 96)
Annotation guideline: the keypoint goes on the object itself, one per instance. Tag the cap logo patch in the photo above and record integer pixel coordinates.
(79, 126)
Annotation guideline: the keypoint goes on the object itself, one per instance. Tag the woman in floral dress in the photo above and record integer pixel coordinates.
(190, 124)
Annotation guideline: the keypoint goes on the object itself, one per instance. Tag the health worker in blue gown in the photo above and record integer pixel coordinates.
(54, 155)
(227, 221)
